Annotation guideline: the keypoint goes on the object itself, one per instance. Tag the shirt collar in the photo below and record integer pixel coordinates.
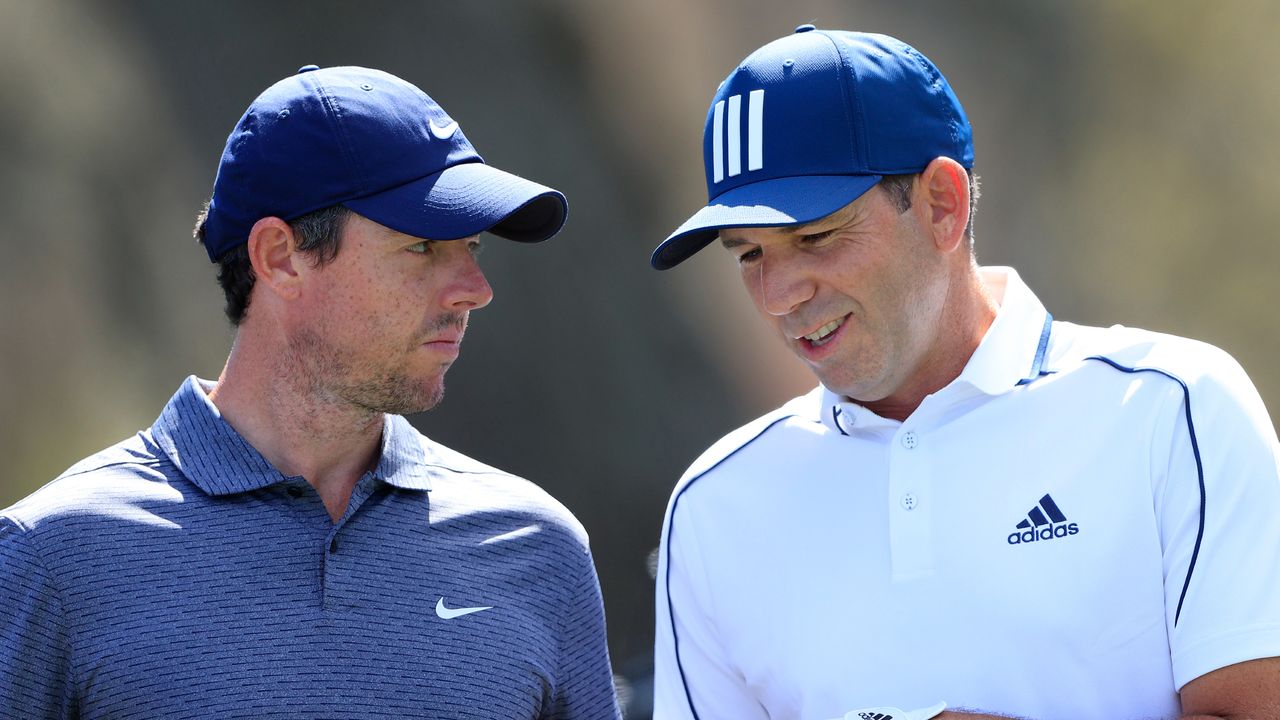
(404, 461)
(210, 453)
(1014, 348)
(1012, 351)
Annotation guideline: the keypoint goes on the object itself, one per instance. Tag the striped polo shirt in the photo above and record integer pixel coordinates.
(179, 575)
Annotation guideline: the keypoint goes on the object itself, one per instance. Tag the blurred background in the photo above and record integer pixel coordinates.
(1124, 149)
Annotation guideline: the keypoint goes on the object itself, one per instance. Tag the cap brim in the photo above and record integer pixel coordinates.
(465, 200)
(768, 203)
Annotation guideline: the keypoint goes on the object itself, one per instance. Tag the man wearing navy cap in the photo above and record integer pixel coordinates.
(978, 507)
(282, 543)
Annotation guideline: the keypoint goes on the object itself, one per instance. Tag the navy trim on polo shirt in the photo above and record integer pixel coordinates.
(1195, 448)
(667, 544)
(1037, 365)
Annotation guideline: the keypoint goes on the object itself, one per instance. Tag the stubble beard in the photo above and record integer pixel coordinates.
(332, 374)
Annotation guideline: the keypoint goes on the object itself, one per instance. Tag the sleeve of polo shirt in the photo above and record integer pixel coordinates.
(35, 677)
(1217, 509)
(585, 690)
(693, 679)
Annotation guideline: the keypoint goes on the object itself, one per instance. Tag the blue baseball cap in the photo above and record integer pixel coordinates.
(376, 144)
(808, 123)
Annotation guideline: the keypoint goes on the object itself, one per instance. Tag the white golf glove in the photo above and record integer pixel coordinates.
(893, 713)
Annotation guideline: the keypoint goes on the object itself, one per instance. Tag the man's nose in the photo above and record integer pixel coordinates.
(468, 289)
(783, 286)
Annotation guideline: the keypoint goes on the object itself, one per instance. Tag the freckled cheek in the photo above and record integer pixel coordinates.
(429, 290)
(365, 303)
(351, 301)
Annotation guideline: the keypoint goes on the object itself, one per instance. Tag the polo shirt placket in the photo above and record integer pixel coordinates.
(215, 458)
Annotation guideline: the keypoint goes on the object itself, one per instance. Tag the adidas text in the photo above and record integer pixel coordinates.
(1047, 533)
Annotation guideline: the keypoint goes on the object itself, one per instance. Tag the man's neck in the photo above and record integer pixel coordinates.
(323, 439)
(971, 308)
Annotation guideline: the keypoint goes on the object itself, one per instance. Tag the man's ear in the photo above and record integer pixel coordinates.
(944, 189)
(273, 252)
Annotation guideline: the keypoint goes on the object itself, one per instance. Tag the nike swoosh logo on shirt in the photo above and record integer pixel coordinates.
(443, 132)
(445, 613)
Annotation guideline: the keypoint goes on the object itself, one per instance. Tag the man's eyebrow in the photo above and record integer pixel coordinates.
(827, 222)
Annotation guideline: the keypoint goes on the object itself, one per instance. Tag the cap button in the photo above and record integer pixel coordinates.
(307, 68)
(805, 28)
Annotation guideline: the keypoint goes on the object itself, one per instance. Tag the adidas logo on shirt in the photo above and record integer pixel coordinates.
(1044, 521)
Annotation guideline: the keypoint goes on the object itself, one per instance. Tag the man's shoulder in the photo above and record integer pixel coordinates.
(453, 462)
(794, 422)
(460, 483)
(126, 473)
(1186, 360)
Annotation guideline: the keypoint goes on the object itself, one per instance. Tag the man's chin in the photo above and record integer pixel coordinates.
(422, 402)
(408, 399)
(846, 388)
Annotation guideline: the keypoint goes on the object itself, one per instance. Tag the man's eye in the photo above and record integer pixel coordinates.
(749, 256)
(420, 247)
(815, 237)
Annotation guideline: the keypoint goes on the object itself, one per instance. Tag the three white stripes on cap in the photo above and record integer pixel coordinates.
(755, 135)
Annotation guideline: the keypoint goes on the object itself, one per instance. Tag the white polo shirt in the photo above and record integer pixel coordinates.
(1079, 524)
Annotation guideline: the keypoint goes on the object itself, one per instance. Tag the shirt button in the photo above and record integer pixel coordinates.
(909, 440)
(909, 501)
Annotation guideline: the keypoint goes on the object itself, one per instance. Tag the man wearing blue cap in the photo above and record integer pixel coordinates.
(282, 543)
(978, 505)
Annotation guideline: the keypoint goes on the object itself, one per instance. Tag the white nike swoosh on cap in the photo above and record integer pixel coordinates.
(443, 132)
(445, 613)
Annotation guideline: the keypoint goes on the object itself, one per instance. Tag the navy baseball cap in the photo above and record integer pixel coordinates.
(808, 123)
(376, 144)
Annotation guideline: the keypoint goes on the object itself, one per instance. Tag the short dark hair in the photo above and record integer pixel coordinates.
(319, 236)
(899, 189)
